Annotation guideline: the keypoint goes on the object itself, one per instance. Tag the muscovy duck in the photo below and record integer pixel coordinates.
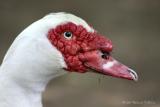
(54, 45)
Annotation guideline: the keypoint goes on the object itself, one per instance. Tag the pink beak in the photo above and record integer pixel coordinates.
(108, 66)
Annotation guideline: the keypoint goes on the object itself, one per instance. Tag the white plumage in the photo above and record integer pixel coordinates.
(33, 59)
(31, 62)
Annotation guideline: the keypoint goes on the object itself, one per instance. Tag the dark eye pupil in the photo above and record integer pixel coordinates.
(68, 34)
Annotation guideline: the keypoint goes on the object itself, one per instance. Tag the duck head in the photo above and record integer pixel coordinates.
(84, 49)
(65, 41)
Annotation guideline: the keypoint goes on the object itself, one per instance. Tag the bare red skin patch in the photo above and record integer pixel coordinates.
(82, 41)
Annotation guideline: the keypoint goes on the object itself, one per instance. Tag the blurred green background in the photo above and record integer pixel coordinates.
(132, 25)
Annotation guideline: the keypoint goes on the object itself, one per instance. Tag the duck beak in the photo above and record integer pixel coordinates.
(108, 66)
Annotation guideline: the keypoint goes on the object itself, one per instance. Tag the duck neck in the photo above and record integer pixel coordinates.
(27, 82)
(28, 69)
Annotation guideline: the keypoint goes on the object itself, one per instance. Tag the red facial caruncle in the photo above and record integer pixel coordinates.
(77, 43)
(82, 50)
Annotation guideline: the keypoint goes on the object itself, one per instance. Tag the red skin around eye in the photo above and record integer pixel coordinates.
(82, 41)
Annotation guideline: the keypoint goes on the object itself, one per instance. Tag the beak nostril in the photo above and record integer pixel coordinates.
(105, 55)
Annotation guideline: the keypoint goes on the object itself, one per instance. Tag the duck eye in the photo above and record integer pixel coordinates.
(67, 35)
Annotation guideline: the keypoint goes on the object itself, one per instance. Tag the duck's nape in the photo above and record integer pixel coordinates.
(28, 66)
(52, 46)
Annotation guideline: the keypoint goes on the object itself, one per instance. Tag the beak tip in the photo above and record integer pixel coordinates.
(133, 74)
(135, 79)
